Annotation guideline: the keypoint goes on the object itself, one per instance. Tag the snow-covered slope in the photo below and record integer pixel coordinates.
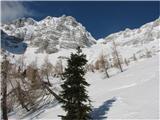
(137, 41)
(51, 33)
(132, 94)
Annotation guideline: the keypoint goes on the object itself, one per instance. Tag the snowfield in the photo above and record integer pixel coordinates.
(132, 94)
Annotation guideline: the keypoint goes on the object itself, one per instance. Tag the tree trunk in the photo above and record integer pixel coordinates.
(4, 67)
(53, 93)
(119, 63)
(117, 56)
(48, 80)
(20, 97)
(106, 72)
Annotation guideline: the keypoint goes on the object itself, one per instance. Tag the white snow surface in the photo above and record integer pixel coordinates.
(132, 94)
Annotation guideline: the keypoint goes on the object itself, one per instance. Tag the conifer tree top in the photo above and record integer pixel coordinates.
(77, 103)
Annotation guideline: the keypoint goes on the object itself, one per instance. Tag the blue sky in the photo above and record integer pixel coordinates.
(99, 18)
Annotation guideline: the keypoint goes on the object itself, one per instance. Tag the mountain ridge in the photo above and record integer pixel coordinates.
(54, 33)
(55, 43)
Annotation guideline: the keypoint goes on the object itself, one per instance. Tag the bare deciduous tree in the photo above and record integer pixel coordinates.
(104, 64)
(59, 67)
(90, 67)
(20, 63)
(21, 96)
(47, 70)
(25, 87)
(126, 62)
(97, 65)
(116, 56)
(134, 57)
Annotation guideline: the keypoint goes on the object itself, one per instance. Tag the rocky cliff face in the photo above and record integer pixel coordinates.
(50, 34)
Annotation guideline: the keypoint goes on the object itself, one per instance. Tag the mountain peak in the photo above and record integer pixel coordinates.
(51, 33)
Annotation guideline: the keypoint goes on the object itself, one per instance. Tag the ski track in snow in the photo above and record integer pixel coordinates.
(123, 87)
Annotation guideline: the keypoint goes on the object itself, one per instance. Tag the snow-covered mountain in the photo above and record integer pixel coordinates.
(51, 33)
(137, 40)
(123, 95)
(57, 37)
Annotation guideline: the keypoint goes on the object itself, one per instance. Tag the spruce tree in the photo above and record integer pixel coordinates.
(76, 102)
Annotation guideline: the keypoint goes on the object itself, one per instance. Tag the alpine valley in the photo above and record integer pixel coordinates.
(130, 94)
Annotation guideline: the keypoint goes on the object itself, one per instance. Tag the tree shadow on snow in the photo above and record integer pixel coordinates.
(118, 72)
(100, 112)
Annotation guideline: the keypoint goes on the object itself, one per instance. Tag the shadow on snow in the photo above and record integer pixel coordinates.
(100, 112)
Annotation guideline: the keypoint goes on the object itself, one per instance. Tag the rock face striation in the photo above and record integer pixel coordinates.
(50, 34)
